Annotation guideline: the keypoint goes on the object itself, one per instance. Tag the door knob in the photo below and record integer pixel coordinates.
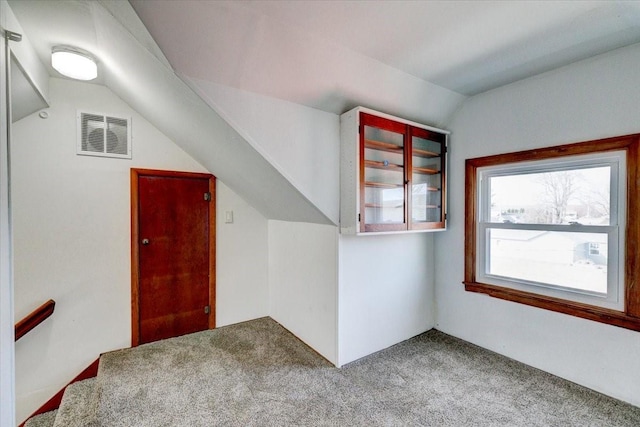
(145, 241)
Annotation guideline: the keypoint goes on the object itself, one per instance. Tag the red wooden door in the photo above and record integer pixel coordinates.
(174, 238)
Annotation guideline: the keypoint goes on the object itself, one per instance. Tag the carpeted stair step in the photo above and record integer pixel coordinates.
(78, 406)
(43, 420)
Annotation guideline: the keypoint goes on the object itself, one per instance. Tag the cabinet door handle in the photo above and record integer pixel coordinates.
(145, 241)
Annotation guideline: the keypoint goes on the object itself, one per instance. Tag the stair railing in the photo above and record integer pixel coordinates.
(32, 320)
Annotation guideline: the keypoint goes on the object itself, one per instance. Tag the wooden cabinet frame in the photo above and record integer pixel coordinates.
(354, 164)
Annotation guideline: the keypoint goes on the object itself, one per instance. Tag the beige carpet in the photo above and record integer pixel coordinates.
(258, 374)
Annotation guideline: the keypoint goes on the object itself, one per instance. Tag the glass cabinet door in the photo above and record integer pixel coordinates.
(383, 201)
(427, 179)
(402, 176)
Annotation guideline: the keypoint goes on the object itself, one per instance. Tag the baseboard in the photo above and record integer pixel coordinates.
(54, 403)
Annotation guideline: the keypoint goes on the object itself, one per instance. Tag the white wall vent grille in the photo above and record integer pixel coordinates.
(102, 135)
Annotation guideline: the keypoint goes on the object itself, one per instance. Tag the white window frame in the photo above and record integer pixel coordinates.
(616, 160)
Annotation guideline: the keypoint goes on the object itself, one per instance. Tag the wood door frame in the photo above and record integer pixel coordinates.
(135, 247)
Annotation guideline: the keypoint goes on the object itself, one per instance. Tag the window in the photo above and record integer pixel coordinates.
(556, 228)
(538, 219)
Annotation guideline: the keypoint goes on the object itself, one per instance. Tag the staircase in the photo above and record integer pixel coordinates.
(95, 402)
(98, 401)
(79, 407)
(201, 379)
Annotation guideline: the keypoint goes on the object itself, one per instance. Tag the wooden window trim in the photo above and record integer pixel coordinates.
(630, 317)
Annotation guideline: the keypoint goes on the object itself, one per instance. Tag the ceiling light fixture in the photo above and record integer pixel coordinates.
(74, 63)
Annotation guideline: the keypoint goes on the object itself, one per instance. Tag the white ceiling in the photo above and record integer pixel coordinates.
(289, 49)
(317, 53)
(412, 59)
(131, 66)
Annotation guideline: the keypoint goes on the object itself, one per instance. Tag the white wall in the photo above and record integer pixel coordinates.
(302, 143)
(303, 282)
(596, 98)
(72, 240)
(7, 385)
(386, 291)
(242, 287)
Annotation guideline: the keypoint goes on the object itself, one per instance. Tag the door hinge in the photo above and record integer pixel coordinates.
(207, 197)
(358, 217)
(207, 309)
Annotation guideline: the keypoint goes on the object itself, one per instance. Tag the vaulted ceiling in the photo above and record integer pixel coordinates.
(416, 59)
(318, 53)
(296, 50)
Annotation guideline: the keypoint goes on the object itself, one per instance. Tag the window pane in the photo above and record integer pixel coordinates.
(384, 205)
(567, 259)
(580, 196)
(426, 190)
(427, 202)
(384, 176)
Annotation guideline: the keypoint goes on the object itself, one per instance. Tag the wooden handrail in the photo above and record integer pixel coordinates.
(36, 317)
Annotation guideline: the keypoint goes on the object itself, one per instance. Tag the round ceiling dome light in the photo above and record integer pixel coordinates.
(74, 63)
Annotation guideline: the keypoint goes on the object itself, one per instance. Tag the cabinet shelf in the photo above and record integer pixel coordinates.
(393, 148)
(379, 206)
(418, 152)
(427, 206)
(374, 184)
(383, 146)
(380, 165)
(425, 171)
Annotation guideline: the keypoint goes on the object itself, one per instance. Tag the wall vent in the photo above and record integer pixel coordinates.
(105, 136)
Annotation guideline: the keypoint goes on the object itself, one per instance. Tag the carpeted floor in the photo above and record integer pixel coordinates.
(258, 374)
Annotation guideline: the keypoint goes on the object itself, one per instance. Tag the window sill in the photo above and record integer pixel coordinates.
(585, 311)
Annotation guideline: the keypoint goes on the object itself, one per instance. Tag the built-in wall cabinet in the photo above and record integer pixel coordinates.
(393, 174)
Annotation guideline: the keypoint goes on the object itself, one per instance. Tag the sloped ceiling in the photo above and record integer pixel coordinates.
(239, 45)
(464, 46)
(415, 59)
(25, 99)
(140, 78)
